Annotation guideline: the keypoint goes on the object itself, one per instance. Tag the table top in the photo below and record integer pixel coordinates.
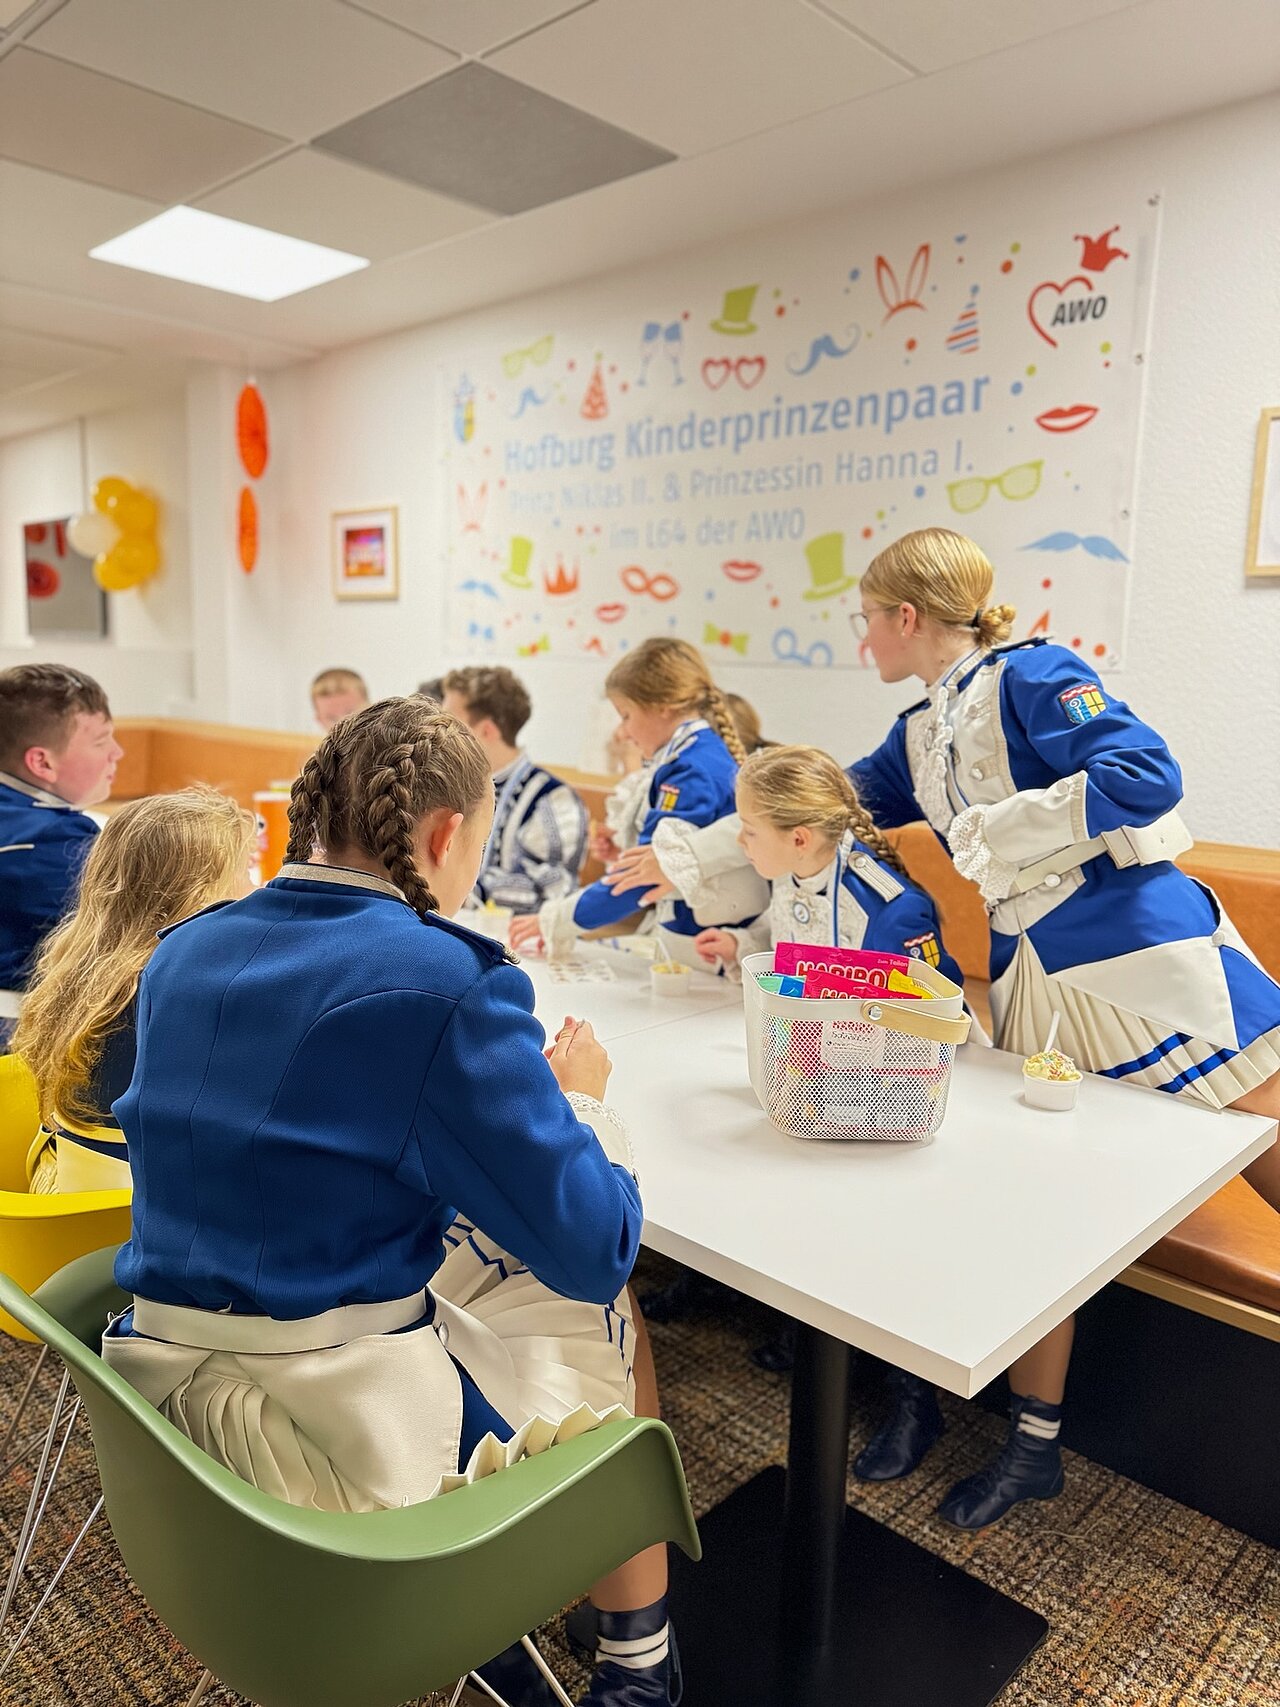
(950, 1257)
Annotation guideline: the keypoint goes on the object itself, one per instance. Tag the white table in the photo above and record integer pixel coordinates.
(948, 1258)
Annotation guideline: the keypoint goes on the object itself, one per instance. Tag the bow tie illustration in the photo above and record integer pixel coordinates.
(713, 636)
(541, 644)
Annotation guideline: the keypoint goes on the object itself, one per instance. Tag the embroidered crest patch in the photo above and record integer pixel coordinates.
(667, 798)
(924, 948)
(1083, 702)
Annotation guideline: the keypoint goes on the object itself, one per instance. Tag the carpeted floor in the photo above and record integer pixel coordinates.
(1151, 1605)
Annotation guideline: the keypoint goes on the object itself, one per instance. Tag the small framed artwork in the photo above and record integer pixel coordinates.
(63, 599)
(1263, 554)
(366, 557)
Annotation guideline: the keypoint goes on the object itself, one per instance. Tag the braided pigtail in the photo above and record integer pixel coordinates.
(389, 813)
(716, 711)
(871, 835)
(309, 803)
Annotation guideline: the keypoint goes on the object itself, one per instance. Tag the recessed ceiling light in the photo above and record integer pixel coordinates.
(225, 254)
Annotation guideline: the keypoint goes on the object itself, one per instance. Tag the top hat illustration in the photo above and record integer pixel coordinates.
(735, 317)
(826, 566)
(516, 574)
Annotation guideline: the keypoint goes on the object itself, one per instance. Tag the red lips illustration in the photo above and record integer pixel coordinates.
(737, 569)
(1067, 420)
(610, 613)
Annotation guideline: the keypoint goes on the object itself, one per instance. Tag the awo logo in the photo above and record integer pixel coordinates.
(1051, 307)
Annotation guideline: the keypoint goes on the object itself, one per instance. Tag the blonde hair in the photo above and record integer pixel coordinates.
(946, 577)
(338, 681)
(746, 720)
(804, 788)
(669, 672)
(373, 779)
(157, 860)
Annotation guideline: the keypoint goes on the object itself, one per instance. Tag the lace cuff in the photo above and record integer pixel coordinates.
(975, 858)
(608, 1126)
(555, 921)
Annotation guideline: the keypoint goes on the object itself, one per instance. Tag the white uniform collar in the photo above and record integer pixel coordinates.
(512, 768)
(40, 796)
(344, 877)
(669, 749)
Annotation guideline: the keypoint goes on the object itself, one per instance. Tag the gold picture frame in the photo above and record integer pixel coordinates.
(366, 553)
(1262, 555)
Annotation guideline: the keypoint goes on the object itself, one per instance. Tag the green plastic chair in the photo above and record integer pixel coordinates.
(299, 1608)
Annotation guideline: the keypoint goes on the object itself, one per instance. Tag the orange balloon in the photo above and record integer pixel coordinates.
(251, 431)
(136, 554)
(108, 492)
(248, 530)
(135, 513)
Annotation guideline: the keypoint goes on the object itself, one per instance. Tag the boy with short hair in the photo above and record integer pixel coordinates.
(58, 754)
(539, 834)
(335, 694)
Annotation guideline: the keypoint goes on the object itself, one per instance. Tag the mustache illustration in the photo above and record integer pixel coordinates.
(1096, 544)
(825, 345)
(529, 399)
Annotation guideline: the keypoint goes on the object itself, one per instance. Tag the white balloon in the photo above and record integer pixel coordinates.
(92, 534)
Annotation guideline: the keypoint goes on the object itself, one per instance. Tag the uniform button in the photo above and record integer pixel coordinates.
(975, 771)
(1052, 881)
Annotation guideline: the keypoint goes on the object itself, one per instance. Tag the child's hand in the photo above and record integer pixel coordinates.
(579, 1061)
(638, 868)
(716, 945)
(602, 845)
(526, 933)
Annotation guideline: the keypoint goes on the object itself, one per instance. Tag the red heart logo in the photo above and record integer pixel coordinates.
(715, 371)
(1057, 290)
(750, 370)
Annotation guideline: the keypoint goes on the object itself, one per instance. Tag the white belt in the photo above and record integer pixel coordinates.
(217, 1330)
(1130, 845)
(10, 1004)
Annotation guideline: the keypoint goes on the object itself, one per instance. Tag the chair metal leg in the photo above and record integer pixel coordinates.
(16, 1418)
(53, 1583)
(457, 1694)
(202, 1689)
(34, 1504)
(552, 1680)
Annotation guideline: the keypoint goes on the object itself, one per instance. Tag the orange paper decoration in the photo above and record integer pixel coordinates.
(251, 431)
(248, 542)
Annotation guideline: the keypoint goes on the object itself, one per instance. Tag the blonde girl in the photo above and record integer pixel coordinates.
(669, 706)
(156, 861)
(833, 877)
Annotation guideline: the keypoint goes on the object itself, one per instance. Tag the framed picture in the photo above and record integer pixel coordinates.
(366, 559)
(63, 599)
(1263, 554)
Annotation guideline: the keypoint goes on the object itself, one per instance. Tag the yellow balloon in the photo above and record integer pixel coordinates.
(108, 492)
(136, 554)
(111, 575)
(135, 513)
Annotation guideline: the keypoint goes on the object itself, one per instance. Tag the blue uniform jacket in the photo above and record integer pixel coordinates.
(693, 778)
(43, 842)
(322, 1081)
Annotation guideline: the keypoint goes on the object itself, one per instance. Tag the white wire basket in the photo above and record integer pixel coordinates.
(855, 1066)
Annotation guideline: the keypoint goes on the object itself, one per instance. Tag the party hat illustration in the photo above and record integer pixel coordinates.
(595, 403)
(735, 317)
(962, 339)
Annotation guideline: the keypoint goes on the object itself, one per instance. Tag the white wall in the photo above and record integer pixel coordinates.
(145, 662)
(360, 428)
(1203, 652)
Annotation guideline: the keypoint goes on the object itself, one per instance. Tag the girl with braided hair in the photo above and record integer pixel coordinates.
(833, 876)
(381, 1241)
(679, 719)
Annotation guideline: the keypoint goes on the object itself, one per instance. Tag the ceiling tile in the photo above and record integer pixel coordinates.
(65, 119)
(695, 76)
(39, 357)
(50, 220)
(326, 200)
(930, 36)
(12, 10)
(492, 142)
(469, 26)
(290, 66)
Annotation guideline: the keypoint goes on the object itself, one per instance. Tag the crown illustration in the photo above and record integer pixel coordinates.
(563, 582)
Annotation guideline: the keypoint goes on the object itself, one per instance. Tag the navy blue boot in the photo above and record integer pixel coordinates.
(1028, 1467)
(637, 1662)
(904, 1437)
(517, 1680)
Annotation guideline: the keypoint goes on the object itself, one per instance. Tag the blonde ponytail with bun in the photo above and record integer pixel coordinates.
(946, 577)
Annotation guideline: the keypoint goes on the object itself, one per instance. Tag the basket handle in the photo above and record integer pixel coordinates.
(907, 1017)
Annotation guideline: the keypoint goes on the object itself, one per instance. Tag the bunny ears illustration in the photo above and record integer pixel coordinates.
(897, 297)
